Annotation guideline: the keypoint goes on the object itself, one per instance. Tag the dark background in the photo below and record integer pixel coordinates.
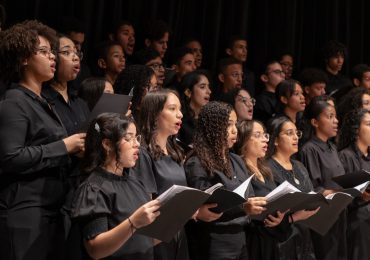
(297, 26)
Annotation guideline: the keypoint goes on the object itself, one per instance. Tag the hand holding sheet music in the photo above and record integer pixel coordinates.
(179, 203)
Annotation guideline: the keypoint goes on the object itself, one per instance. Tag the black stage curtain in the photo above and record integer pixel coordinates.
(297, 26)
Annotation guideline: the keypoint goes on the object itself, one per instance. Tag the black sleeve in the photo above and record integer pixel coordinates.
(196, 176)
(91, 227)
(310, 160)
(16, 152)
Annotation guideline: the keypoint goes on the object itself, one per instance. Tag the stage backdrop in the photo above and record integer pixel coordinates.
(297, 26)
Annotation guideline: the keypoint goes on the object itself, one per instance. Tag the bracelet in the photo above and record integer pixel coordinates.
(132, 226)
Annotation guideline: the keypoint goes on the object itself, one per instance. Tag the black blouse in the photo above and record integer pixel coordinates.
(322, 162)
(158, 175)
(72, 113)
(297, 177)
(32, 153)
(198, 178)
(105, 200)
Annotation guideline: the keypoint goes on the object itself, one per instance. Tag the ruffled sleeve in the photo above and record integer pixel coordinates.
(90, 208)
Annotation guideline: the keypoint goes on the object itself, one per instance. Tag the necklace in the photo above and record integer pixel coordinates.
(295, 177)
(290, 171)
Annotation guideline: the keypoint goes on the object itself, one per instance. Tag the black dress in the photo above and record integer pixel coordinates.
(263, 241)
(157, 176)
(299, 245)
(33, 158)
(322, 162)
(358, 233)
(225, 237)
(103, 201)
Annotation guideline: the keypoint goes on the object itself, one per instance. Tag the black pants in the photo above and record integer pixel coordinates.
(30, 234)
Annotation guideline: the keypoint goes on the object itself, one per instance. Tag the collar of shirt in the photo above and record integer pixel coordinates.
(360, 154)
(324, 146)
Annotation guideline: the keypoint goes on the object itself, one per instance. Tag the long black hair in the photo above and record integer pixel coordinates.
(109, 126)
(152, 105)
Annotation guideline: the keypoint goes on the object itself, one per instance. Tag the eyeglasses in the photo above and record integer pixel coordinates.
(285, 64)
(237, 75)
(279, 72)
(260, 135)
(157, 66)
(246, 100)
(70, 53)
(292, 132)
(132, 139)
(46, 52)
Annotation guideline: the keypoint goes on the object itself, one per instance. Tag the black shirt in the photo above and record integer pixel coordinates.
(322, 162)
(298, 177)
(158, 175)
(223, 238)
(265, 106)
(72, 113)
(104, 201)
(336, 82)
(32, 153)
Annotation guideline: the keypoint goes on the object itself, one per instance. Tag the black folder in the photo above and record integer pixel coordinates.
(351, 180)
(179, 203)
(108, 103)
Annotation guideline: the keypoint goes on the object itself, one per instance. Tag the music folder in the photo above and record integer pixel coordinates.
(179, 203)
(108, 103)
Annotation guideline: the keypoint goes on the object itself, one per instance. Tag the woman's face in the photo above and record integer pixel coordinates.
(169, 119)
(327, 123)
(366, 101)
(68, 60)
(287, 140)
(232, 131)
(42, 63)
(129, 148)
(201, 92)
(256, 146)
(297, 102)
(244, 105)
(364, 130)
(287, 65)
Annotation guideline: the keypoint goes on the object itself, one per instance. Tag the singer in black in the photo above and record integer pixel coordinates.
(353, 145)
(34, 147)
(212, 163)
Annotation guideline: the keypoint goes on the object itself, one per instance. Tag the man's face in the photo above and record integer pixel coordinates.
(365, 81)
(126, 37)
(161, 45)
(231, 77)
(186, 65)
(239, 50)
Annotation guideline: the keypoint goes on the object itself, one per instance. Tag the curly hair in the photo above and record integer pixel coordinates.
(349, 131)
(310, 76)
(136, 77)
(109, 126)
(352, 101)
(210, 138)
(245, 129)
(19, 43)
(151, 107)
